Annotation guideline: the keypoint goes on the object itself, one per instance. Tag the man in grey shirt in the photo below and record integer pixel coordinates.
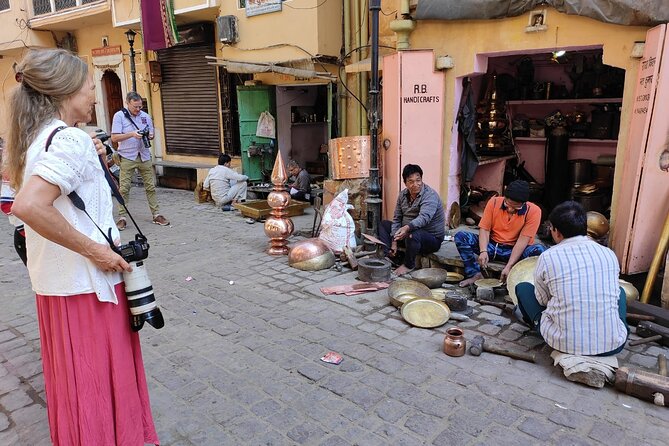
(300, 189)
(418, 223)
(226, 185)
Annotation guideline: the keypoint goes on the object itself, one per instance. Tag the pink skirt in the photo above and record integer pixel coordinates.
(93, 372)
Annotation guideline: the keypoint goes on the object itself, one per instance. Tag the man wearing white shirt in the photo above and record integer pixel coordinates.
(576, 302)
(226, 185)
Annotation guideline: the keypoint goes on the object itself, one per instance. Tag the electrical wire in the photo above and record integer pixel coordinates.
(341, 65)
(390, 13)
(311, 7)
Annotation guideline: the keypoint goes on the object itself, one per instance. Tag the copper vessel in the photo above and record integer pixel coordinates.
(454, 342)
(492, 122)
(598, 225)
(311, 254)
(278, 227)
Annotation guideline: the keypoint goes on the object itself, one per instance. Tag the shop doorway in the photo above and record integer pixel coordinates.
(551, 118)
(113, 95)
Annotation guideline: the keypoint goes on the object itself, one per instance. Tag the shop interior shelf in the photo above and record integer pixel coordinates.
(574, 140)
(489, 159)
(566, 101)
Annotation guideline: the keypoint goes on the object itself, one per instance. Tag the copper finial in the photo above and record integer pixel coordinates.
(278, 227)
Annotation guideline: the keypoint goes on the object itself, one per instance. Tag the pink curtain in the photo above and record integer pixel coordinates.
(158, 24)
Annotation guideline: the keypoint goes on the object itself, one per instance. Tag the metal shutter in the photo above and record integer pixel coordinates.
(190, 100)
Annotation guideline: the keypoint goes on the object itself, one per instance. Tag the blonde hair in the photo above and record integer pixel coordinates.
(46, 78)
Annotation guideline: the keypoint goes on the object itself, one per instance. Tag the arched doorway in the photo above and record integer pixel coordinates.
(111, 85)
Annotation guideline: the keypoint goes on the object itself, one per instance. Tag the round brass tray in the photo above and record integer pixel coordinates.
(425, 312)
(522, 271)
(453, 277)
(488, 283)
(402, 290)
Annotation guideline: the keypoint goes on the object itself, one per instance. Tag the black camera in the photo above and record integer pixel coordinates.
(138, 288)
(145, 132)
(113, 167)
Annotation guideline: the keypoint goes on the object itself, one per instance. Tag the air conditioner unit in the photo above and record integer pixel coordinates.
(227, 29)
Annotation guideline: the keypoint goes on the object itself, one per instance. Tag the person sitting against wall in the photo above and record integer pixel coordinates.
(506, 233)
(226, 185)
(300, 188)
(418, 223)
(576, 302)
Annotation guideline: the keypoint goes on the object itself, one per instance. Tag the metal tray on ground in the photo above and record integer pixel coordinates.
(425, 312)
(260, 208)
(402, 290)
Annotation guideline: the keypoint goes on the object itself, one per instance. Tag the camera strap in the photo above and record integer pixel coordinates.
(127, 115)
(116, 193)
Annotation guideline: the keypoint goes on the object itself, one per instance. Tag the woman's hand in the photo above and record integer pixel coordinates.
(107, 260)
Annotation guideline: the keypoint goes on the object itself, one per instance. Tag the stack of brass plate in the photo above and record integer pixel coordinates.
(522, 271)
(402, 290)
(425, 312)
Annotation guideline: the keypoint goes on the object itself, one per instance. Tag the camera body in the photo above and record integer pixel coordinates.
(145, 132)
(138, 287)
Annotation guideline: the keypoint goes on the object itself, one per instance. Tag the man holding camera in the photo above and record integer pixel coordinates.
(132, 129)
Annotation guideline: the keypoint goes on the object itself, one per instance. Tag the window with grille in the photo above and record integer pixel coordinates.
(41, 7)
(4, 5)
(64, 4)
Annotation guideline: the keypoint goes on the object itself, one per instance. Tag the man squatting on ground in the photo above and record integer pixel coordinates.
(506, 233)
(418, 222)
(576, 302)
(226, 185)
(300, 189)
(125, 131)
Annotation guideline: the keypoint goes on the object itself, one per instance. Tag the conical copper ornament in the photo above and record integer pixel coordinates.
(278, 227)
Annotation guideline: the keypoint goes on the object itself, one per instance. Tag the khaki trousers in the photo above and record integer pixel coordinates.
(145, 169)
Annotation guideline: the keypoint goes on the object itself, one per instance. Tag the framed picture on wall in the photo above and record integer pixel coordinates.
(537, 21)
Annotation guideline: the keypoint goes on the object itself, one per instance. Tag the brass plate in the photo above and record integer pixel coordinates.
(454, 277)
(488, 283)
(425, 312)
(401, 290)
(522, 271)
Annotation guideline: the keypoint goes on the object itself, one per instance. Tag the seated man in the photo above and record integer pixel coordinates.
(506, 233)
(300, 189)
(576, 302)
(226, 185)
(418, 223)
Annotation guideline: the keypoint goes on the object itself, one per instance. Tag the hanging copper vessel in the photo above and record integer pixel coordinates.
(278, 227)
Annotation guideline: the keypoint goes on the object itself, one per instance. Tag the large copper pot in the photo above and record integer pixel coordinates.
(311, 254)
(598, 225)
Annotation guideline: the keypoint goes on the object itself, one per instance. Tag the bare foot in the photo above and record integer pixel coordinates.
(471, 280)
(402, 270)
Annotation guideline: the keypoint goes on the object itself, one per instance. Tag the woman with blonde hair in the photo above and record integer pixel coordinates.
(93, 371)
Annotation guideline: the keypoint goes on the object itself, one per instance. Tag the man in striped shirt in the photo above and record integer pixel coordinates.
(576, 302)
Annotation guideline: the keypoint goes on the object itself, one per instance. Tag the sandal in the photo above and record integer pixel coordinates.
(160, 220)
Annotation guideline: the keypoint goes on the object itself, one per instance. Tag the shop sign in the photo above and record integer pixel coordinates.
(106, 51)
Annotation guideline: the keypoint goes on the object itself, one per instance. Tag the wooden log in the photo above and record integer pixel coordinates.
(661, 314)
(647, 329)
(645, 340)
(352, 260)
(642, 384)
(640, 317)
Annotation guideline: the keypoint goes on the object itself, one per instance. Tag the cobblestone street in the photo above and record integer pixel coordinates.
(238, 362)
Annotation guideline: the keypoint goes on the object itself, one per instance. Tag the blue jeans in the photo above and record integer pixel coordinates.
(531, 310)
(468, 247)
(419, 241)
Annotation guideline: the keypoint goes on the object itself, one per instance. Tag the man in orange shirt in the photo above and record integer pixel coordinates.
(506, 233)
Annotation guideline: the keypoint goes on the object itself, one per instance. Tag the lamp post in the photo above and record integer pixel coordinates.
(374, 189)
(130, 35)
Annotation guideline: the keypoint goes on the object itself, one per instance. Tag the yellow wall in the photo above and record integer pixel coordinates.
(14, 32)
(463, 40)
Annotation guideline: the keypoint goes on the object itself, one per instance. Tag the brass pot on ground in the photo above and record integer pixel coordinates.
(631, 293)
(598, 225)
(311, 254)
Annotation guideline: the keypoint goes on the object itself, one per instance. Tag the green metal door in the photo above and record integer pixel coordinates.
(251, 102)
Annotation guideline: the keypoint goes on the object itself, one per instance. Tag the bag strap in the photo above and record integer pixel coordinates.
(127, 115)
(116, 193)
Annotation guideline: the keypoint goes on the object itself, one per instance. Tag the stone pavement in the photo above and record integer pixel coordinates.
(238, 361)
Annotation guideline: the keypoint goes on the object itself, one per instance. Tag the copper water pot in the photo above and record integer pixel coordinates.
(454, 342)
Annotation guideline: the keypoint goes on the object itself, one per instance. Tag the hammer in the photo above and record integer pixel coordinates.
(478, 345)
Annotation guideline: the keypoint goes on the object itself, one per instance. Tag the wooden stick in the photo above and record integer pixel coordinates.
(645, 340)
(640, 317)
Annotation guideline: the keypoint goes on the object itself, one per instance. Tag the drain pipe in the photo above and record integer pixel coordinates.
(342, 93)
(404, 26)
(358, 89)
(364, 79)
(374, 190)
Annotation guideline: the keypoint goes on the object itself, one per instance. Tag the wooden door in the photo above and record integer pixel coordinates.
(111, 86)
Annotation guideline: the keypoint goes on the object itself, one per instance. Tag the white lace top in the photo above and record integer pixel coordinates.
(71, 163)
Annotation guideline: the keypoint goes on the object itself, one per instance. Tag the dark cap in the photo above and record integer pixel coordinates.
(518, 190)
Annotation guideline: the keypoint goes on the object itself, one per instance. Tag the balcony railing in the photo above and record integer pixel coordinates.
(41, 7)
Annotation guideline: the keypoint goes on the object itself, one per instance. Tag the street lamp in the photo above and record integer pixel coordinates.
(130, 35)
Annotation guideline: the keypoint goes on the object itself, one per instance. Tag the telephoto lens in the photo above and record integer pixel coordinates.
(141, 300)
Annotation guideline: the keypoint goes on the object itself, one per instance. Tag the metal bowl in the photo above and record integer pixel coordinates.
(402, 290)
(631, 293)
(598, 225)
(311, 254)
(522, 271)
(432, 277)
